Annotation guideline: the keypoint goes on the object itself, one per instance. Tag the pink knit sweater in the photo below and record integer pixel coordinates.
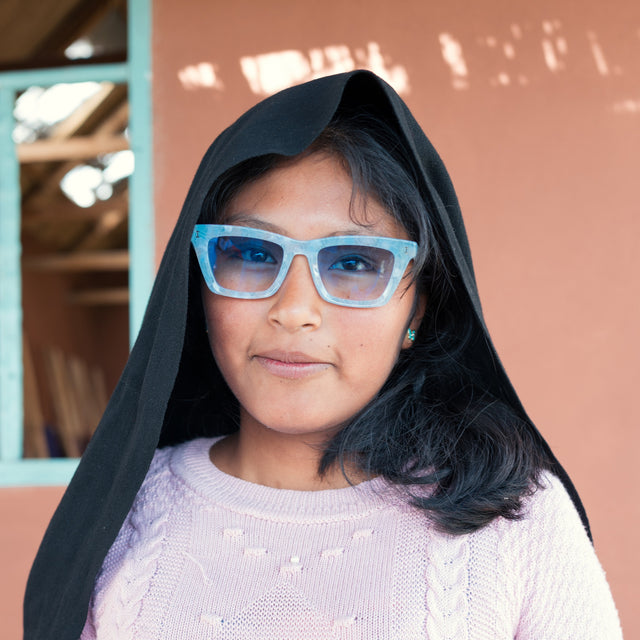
(206, 555)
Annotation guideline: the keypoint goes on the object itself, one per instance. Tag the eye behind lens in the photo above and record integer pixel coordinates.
(244, 264)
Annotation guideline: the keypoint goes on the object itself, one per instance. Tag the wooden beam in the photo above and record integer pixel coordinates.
(69, 427)
(116, 121)
(86, 261)
(35, 442)
(58, 61)
(44, 179)
(43, 211)
(73, 123)
(26, 26)
(79, 21)
(77, 148)
(98, 237)
(96, 297)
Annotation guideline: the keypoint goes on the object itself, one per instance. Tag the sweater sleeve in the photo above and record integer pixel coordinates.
(565, 593)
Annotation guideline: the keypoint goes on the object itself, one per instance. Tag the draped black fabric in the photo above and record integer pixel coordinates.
(159, 385)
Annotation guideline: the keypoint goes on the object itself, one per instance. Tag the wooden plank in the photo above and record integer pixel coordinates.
(49, 210)
(74, 122)
(84, 396)
(78, 21)
(98, 237)
(78, 394)
(116, 121)
(86, 261)
(100, 389)
(68, 422)
(78, 148)
(26, 25)
(98, 297)
(35, 442)
(43, 180)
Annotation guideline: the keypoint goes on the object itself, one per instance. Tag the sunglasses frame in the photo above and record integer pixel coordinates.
(403, 252)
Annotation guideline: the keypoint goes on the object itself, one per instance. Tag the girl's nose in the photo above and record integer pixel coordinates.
(297, 304)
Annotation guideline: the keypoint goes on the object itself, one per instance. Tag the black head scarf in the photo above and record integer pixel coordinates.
(148, 407)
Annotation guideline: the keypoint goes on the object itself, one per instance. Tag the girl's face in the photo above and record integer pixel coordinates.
(299, 365)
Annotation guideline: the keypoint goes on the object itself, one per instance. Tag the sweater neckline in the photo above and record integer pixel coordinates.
(191, 463)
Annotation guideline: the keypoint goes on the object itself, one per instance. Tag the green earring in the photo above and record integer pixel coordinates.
(411, 334)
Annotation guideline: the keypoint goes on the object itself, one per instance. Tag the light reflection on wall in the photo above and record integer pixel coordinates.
(270, 72)
(201, 75)
(454, 57)
(521, 57)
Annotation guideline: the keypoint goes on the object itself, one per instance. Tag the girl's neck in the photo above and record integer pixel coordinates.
(277, 460)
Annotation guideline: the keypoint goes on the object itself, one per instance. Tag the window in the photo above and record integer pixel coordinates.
(106, 84)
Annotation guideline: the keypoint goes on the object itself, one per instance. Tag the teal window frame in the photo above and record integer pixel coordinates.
(136, 72)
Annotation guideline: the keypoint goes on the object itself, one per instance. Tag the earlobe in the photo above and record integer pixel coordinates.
(416, 321)
(409, 338)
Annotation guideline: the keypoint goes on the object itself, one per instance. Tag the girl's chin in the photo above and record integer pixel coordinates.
(294, 431)
(277, 427)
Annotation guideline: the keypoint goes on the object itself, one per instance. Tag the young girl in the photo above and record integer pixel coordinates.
(313, 436)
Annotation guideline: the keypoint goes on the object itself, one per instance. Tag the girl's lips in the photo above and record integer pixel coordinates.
(291, 366)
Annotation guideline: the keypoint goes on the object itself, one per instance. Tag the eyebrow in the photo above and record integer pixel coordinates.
(247, 220)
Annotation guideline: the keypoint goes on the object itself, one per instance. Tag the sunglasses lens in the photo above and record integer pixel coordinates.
(353, 272)
(244, 264)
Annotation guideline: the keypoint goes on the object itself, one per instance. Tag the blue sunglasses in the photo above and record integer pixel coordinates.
(350, 271)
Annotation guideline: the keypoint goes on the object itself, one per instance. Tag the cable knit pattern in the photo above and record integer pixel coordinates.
(117, 604)
(206, 555)
(448, 579)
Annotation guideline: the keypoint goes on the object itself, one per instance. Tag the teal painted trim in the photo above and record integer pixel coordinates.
(11, 411)
(118, 72)
(141, 215)
(137, 72)
(37, 472)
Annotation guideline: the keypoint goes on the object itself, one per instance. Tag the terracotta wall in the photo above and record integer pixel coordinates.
(535, 108)
(25, 515)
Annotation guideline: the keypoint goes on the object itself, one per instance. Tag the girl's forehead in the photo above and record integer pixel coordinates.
(311, 196)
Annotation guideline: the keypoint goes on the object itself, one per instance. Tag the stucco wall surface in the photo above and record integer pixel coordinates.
(25, 515)
(535, 108)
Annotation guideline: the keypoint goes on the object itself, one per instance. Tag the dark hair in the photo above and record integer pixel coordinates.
(434, 423)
